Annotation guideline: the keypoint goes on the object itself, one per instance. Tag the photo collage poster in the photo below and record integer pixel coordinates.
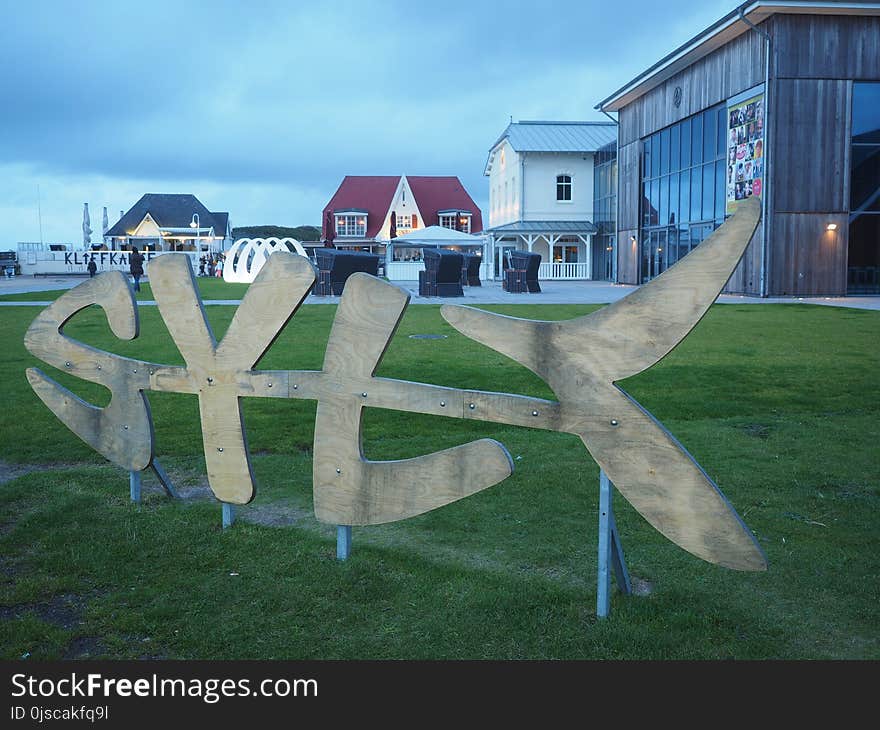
(745, 150)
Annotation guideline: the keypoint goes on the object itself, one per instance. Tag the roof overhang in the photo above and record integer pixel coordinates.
(493, 151)
(189, 230)
(725, 30)
(352, 211)
(539, 228)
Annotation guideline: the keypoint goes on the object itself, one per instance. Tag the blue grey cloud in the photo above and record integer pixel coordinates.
(292, 96)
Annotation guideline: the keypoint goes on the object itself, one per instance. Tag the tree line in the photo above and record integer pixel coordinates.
(300, 233)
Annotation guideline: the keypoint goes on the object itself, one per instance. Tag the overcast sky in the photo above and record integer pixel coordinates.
(260, 108)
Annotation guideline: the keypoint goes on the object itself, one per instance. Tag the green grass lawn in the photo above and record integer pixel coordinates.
(779, 403)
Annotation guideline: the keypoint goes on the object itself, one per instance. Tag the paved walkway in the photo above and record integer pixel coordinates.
(553, 292)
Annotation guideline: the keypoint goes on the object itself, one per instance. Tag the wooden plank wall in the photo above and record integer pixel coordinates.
(746, 278)
(731, 69)
(807, 259)
(629, 191)
(628, 194)
(816, 59)
(826, 47)
(627, 256)
(811, 145)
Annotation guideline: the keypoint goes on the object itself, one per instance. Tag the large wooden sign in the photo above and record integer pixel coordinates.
(580, 359)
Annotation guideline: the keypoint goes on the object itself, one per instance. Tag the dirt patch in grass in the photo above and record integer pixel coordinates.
(8, 472)
(640, 586)
(275, 514)
(65, 611)
(757, 430)
(194, 493)
(7, 565)
(5, 528)
(84, 647)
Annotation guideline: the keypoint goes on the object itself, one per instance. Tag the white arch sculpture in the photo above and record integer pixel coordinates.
(247, 256)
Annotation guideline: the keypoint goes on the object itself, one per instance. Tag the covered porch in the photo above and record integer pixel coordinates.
(565, 247)
(404, 255)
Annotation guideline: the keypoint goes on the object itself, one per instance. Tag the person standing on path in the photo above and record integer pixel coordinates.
(136, 267)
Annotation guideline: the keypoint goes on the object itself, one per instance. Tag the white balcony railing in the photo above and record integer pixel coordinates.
(409, 270)
(564, 271)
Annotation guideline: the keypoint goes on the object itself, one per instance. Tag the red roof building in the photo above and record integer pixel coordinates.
(359, 215)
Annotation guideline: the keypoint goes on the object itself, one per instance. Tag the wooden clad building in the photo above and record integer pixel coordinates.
(777, 99)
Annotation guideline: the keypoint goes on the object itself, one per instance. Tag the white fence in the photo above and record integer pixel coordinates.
(564, 271)
(409, 270)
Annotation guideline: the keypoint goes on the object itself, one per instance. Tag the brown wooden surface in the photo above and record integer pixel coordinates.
(221, 374)
(724, 73)
(746, 277)
(811, 260)
(811, 114)
(827, 47)
(123, 430)
(581, 359)
(727, 71)
(815, 58)
(348, 489)
(629, 172)
(628, 256)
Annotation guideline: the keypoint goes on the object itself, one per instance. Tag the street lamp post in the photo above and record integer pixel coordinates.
(195, 223)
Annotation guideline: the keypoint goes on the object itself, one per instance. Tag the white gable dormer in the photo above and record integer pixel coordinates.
(404, 205)
(147, 228)
(505, 184)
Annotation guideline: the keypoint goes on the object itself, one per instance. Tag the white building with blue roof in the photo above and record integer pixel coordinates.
(543, 193)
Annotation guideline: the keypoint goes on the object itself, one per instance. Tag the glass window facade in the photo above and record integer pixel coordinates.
(683, 188)
(863, 261)
(604, 211)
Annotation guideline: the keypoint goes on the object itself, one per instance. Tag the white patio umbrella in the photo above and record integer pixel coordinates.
(87, 229)
(105, 224)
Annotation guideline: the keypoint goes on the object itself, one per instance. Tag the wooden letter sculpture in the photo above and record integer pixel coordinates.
(580, 359)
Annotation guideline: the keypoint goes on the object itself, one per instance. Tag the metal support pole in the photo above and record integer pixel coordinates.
(134, 485)
(228, 515)
(603, 593)
(164, 479)
(618, 562)
(343, 542)
(610, 551)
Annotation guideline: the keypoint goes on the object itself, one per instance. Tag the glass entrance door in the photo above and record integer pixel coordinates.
(653, 254)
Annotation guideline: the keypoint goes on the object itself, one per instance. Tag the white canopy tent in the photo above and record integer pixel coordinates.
(440, 236)
(403, 254)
